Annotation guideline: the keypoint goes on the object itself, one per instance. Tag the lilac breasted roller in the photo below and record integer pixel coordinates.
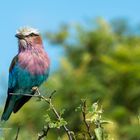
(29, 68)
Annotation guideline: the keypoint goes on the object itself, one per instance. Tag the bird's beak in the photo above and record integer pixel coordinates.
(19, 36)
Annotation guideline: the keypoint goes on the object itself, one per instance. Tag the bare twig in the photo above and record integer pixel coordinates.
(18, 129)
(49, 101)
(52, 94)
(45, 132)
(92, 137)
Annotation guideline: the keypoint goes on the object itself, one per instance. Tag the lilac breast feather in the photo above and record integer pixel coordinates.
(34, 61)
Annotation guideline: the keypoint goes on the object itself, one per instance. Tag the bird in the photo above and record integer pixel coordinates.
(28, 69)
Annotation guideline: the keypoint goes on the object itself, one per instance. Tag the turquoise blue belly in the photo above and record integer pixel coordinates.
(22, 79)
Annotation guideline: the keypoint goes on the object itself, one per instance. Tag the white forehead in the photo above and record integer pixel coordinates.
(26, 31)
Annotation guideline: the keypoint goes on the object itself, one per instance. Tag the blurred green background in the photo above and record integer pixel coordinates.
(101, 63)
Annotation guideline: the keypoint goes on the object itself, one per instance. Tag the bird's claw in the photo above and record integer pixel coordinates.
(34, 89)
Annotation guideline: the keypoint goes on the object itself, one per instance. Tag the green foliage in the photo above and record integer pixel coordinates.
(94, 122)
(102, 63)
(54, 124)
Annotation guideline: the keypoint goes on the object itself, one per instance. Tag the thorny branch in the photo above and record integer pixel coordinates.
(92, 137)
(49, 101)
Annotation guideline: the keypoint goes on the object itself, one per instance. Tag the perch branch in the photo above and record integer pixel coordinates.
(49, 101)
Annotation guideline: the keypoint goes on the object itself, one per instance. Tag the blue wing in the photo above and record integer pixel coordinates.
(9, 105)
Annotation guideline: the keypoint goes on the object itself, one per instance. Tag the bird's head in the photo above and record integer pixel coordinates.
(28, 38)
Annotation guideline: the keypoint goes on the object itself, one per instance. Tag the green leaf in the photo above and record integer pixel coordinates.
(47, 118)
(105, 122)
(62, 122)
(99, 133)
(52, 125)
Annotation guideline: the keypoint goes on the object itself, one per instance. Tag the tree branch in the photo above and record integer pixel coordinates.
(49, 101)
(45, 132)
(84, 119)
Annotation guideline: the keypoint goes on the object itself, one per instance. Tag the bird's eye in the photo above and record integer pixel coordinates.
(32, 34)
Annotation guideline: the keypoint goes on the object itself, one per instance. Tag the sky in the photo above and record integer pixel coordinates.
(48, 15)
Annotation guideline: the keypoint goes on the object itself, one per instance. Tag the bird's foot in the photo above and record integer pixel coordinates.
(36, 90)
